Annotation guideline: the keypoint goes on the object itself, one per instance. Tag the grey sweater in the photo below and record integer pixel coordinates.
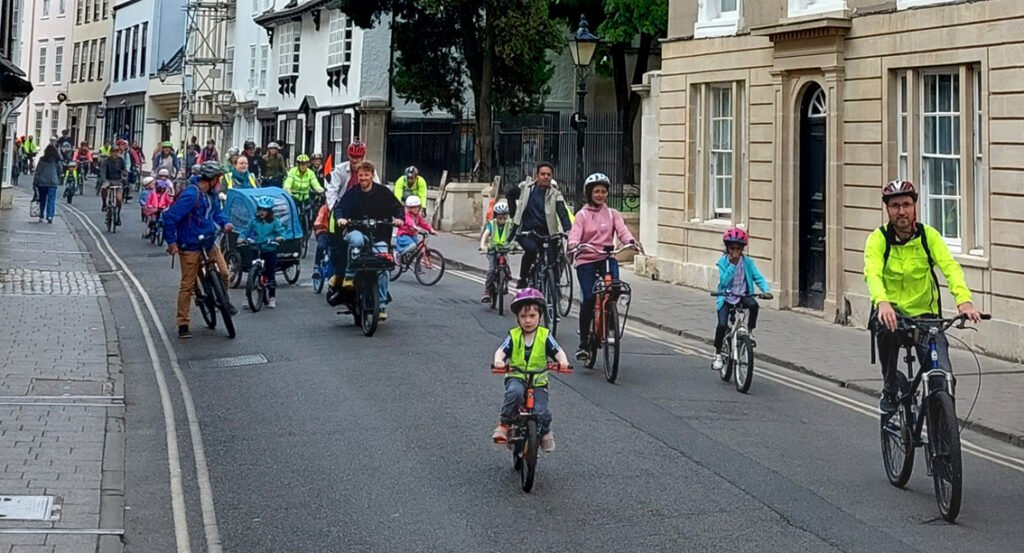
(47, 173)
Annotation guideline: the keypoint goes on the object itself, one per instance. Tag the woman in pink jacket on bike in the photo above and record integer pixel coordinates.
(598, 225)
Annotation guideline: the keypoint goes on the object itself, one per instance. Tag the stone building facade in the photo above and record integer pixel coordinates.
(786, 117)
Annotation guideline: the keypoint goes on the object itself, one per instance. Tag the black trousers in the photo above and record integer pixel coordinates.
(530, 250)
(889, 345)
(723, 319)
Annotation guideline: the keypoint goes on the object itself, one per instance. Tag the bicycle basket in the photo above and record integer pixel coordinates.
(369, 261)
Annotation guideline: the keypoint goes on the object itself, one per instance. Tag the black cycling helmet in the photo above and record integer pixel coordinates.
(210, 170)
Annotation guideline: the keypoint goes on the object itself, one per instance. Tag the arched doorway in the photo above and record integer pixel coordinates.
(813, 165)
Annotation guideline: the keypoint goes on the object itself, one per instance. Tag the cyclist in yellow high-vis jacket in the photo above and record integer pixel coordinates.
(301, 179)
(898, 263)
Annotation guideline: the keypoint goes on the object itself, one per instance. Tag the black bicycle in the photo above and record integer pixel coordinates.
(211, 294)
(113, 203)
(257, 286)
(903, 430)
(546, 273)
(70, 181)
(524, 432)
(364, 302)
(502, 276)
(307, 215)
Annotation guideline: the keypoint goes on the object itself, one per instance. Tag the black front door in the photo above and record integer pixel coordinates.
(812, 198)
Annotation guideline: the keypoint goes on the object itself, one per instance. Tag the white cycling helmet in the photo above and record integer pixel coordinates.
(413, 201)
(501, 207)
(147, 181)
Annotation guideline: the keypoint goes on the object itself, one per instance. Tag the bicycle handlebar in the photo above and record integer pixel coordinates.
(547, 238)
(552, 367)
(762, 296)
(943, 324)
(608, 251)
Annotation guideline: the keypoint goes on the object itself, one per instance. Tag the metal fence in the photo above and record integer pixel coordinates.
(520, 142)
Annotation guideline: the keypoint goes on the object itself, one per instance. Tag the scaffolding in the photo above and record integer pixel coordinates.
(206, 98)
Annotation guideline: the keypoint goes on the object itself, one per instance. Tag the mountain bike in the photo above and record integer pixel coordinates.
(544, 275)
(211, 295)
(502, 276)
(426, 263)
(113, 216)
(524, 431)
(926, 397)
(738, 348)
(607, 329)
(257, 285)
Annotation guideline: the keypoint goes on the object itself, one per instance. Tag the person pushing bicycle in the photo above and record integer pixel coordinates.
(598, 225)
(737, 276)
(899, 258)
(196, 212)
(527, 349)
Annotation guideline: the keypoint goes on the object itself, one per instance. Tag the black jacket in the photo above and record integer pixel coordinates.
(113, 169)
(378, 203)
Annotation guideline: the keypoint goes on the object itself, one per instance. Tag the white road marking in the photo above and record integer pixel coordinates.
(867, 409)
(210, 528)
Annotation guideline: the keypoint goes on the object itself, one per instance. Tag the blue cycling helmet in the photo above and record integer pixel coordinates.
(265, 202)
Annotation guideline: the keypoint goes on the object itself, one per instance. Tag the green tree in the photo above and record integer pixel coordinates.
(621, 24)
(498, 47)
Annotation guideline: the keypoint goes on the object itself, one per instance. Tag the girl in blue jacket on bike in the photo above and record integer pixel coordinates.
(266, 233)
(737, 276)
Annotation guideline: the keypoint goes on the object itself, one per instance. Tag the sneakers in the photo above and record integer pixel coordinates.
(383, 315)
(500, 434)
(486, 298)
(272, 303)
(232, 309)
(888, 404)
(718, 363)
(316, 274)
(547, 442)
(582, 354)
(753, 342)
(348, 283)
(103, 208)
(183, 332)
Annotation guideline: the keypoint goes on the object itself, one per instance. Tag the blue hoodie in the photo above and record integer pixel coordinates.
(192, 214)
(727, 270)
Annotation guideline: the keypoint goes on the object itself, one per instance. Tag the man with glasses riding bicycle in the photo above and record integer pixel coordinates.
(898, 268)
(196, 212)
(537, 207)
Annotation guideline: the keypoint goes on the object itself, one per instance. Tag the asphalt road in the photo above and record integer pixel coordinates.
(346, 443)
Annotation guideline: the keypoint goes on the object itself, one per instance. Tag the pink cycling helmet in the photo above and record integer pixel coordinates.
(735, 236)
(527, 296)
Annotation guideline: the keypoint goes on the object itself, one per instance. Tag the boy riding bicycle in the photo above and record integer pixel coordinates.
(737, 275)
(527, 349)
(496, 235)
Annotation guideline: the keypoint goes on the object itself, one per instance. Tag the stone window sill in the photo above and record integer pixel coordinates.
(716, 28)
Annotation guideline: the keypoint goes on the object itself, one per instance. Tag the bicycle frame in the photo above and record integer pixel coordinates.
(924, 379)
(608, 289)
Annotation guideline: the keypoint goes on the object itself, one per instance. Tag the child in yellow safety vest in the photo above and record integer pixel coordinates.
(496, 235)
(527, 349)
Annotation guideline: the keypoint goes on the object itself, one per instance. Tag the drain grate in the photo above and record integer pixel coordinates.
(29, 507)
(459, 301)
(225, 362)
(61, 387)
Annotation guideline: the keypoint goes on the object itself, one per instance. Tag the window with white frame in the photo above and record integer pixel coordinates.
(58, 62)
(105, 8)
(938, 140)
(92, 59)
(288, 60)
(79, 11)
(62, 7)
(800, 8)
(252, 66)
(339, 140)
(717, 18)
(39, 124)
(229, 69)
(336, 40)
(76, 57)
(264, 65)
(54, 120)
(46, 8)
(716, 108)
(904, 4)
(290, 130)
(100, 57)
(42, 64)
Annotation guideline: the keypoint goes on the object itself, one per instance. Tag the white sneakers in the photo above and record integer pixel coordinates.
(718, 363)
(547, 442)
(272, 303)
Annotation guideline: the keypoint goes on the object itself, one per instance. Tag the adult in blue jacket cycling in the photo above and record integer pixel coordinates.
(196, 213)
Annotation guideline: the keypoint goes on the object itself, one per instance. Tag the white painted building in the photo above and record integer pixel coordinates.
(46, 58)
(247, 75)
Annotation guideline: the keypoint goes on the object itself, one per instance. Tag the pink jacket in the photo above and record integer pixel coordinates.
(597, 227)
(156, 202)
(411, 222)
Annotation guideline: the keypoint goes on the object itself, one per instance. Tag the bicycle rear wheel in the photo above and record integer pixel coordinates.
(944, 448)
(291, 273)
(204, 299)
(253, 291)
(397, 270)
(110, 219)
(429, 267)
(565, 287)
(318, 279)
(611, 342)
(530, 446)
(744, 363)
(898, 440)
(551, 299)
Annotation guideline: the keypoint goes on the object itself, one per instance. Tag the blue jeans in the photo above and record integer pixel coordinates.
(357, 239)
(404, 242)
(587, 274)
(515, 390)
(47, 201)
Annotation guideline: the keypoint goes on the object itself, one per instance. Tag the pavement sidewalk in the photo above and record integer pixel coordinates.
(801, 342)
(61, 392)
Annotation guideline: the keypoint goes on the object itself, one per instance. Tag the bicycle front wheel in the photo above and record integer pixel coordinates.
(898, 440)
(429, 267)
(220, 295)
(944, 448)
(252, 289)
(291, 273)
(729, 362)
(551, 299)
(565, 287)
(744, 363)
(530, 445)
(370, 302)
(204, 299)
(611, 342)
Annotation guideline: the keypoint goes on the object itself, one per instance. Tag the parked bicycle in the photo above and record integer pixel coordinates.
(502, 276)
(608, 327)
(545, 276)
(113, 218)
(903, 431)
(524, 431)
(211, 296)
(738, 349)
(426, 263)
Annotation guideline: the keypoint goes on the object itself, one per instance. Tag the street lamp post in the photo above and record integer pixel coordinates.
(582, 45)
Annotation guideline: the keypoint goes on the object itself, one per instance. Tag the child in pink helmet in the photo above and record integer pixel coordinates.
(737, 276)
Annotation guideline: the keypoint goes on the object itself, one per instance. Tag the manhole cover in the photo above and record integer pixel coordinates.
(224, 362)
(28, 507)
(459, 301)
(58, 387)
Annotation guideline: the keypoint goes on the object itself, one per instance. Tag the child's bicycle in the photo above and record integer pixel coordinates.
(427, 263)
(155, 228)
(322, 272)
(737, 348)
(608, 325)
(257, 285)
(502, 276)
(524, 432)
